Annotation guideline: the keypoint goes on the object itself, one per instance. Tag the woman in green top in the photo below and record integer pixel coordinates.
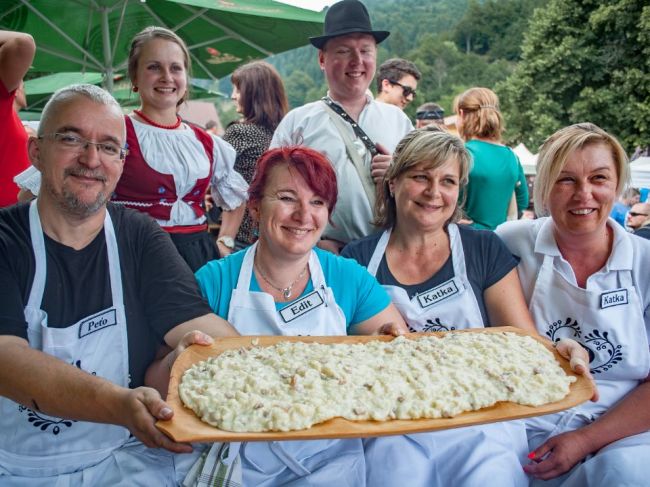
(496, 172)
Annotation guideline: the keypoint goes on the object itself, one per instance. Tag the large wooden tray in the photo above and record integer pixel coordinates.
(185, 426)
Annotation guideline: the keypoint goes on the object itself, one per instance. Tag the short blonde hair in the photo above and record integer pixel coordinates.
(481, 115)
(558, 148)
(432, 146)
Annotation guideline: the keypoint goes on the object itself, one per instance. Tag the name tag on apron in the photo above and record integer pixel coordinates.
(97, 322)
(617, 297)
(298, 308)
(439, 293)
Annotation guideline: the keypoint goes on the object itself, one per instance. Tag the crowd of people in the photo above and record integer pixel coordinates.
(108, 272)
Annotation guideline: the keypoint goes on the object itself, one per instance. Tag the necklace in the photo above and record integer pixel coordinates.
(159, 125)
(286, 291)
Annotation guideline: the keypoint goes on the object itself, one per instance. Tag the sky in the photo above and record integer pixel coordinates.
(316, 5)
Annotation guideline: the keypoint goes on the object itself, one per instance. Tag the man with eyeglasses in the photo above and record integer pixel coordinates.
(397, 81)
(637, 216)
(355, 132)
(89, 292)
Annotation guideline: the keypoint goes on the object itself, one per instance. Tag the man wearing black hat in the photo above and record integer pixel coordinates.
(355, 132)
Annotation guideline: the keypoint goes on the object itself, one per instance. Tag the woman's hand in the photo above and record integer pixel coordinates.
(194, 337)
(557, 455)
(393, 329)
(578, 359)
(157, 375)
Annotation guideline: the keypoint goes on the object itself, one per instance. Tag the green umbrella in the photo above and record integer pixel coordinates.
(94, 35)
(39, 90)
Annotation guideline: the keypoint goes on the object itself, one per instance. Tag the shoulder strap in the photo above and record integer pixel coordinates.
(354, 156)
(338, 109)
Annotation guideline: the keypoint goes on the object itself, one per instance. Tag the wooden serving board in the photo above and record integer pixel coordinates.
(185, 426)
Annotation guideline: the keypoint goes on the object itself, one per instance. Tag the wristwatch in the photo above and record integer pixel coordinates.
(228, 242)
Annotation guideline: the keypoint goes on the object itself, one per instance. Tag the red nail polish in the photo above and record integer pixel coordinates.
(531, 455)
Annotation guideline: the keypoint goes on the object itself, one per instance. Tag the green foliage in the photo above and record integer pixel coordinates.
(582, 60)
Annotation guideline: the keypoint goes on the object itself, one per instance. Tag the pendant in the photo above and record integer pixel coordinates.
(286, 292)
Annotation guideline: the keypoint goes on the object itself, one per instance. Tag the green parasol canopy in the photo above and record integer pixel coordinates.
(94, 35)
(39, 90)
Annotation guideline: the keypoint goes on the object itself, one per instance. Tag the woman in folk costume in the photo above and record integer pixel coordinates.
(171, 163)
(443, 276)
(585, 277)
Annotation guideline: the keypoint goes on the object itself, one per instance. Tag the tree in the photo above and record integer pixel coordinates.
(582, 60)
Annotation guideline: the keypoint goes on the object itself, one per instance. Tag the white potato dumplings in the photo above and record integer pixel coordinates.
(294, 385)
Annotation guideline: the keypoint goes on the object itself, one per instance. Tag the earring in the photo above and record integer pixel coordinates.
(135, 89)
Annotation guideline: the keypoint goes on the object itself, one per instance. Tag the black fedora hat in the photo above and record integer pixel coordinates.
(347, 17)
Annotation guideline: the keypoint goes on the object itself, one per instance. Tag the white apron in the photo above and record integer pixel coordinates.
(448, 306)
(96, 344)
(609, 323)
(317, 462)
(491, 454)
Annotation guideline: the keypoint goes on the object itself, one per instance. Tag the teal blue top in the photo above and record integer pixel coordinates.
(495, 174)
(356, 292)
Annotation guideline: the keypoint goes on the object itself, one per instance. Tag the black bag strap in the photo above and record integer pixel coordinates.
(372, 148)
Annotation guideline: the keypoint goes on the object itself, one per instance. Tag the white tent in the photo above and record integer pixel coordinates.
(528, 159)
(640, 169)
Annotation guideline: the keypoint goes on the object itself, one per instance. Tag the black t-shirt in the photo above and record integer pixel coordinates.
(487, 261)
(159, 289)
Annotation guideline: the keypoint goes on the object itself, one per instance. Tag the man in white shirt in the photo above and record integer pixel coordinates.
(348, 54)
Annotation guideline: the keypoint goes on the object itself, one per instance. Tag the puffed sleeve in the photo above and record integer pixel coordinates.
(29, 179)
(229, 189)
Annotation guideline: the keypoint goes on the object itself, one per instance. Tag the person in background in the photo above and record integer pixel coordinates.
(88, 292)
(584, 277)
(429, 114)
(644, 229)
(16, 54)
(170, 163)
(397, 81)
(260, 289)
(630, 196)
(259, 94)
(637, 216)
(421, 251)
(355, 132)
(497, 188)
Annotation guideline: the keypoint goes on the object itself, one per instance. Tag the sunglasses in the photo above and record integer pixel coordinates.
(406, 90)
(634, 213)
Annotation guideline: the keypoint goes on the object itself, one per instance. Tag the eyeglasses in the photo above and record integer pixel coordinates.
(73, 142)
(406, 90)
(634, 213)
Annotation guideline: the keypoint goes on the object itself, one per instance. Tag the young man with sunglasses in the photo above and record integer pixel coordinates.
(355, 132)
(89, 291)
(397, 81)
(637, 216)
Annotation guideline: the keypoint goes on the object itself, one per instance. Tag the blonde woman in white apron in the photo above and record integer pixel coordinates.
(442, 277)
(282, 285)
(417, 247)
(585, 278)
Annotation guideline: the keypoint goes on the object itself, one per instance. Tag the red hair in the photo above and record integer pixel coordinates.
(313, 166)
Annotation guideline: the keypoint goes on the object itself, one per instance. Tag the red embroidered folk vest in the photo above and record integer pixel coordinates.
(145, 189)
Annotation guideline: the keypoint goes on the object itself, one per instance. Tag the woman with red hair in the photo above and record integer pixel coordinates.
(260, 289)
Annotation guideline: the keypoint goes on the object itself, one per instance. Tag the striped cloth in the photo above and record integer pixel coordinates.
(214, 468)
